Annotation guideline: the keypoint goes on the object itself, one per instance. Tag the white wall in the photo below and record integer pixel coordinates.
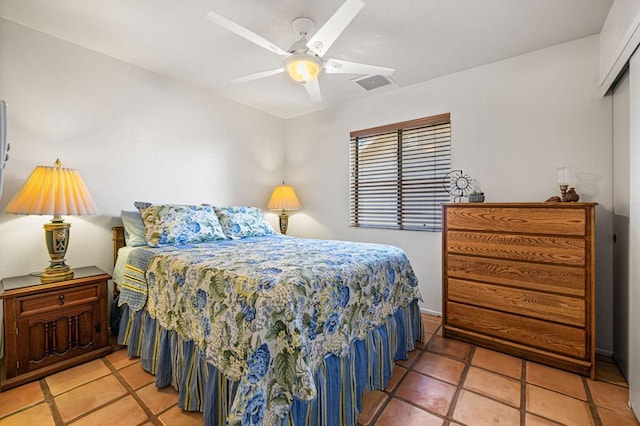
(132, 135)
(513, 123)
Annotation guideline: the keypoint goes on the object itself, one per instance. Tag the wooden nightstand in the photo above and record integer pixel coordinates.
(53, 326)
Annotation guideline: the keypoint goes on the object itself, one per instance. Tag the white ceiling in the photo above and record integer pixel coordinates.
(421, 39)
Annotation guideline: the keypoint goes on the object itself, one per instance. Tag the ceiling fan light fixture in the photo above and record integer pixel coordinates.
(303, 67)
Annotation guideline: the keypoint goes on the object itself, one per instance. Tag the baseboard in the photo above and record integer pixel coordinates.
(431, 312)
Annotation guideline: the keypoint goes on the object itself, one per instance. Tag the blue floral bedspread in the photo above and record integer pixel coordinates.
(267, 310)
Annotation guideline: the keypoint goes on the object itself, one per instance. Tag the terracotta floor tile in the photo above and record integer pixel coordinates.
(440, 367)
(476, 410)
(176, 416)
(136, 376)
(451, 347)
(615, 418)
(609, 396)
(425, 339)
(156, 399)
(558, 407)
(21, 397)
(126, 411)
(372, 402)
(431, 324)
(120, 359)
(87, 397)
(76, 376)
(39, 415)
(610, 373)
(426, 392)
(412, 357)
(498, 362)
(494, 385)
(396, 375)
(533, 420)
(556, 380)
(400, 413)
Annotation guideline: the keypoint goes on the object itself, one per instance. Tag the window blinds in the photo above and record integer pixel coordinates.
(397, 172)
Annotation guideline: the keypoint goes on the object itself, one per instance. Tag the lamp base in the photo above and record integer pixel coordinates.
(52, 275)
(56, 234)
(284, 223)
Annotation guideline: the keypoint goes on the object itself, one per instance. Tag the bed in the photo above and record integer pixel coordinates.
(265, 329)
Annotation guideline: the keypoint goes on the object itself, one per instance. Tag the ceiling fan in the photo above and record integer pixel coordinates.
(304, 59)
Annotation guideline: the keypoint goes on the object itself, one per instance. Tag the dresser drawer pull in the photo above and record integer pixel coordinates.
(61, 299)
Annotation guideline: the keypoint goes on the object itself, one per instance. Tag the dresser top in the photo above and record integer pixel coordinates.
(551, 205)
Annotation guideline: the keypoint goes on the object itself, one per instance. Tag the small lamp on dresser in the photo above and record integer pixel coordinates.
(284, 198)
(54, 191)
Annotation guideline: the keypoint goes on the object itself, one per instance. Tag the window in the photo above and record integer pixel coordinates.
(397, 172)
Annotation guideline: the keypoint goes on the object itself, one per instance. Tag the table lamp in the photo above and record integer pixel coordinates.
(54, 191)
(284, 198)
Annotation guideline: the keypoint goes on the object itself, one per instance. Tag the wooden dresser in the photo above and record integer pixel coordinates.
(520, 278)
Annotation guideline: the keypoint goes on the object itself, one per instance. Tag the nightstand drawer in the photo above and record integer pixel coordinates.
(41, 303)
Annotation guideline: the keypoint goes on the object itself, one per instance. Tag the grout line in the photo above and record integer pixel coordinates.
(590, 401)
(153, 418)
(460, 385)
(50, 401)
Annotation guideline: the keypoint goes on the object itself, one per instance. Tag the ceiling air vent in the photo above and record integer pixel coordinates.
(371, 82)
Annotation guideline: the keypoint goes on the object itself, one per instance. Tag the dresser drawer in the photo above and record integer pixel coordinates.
(532, 248)
(36, 304)
(531, 332)
(544, 306)
(526, 220)
(532, 276)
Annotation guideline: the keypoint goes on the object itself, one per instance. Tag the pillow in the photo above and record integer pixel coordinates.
(141, 204)
(133, 228)
(241, 222)
(167, 224)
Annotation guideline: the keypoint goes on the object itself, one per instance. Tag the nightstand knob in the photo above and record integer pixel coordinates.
(61, 299)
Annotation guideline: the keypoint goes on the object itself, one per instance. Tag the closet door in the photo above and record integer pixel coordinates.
(621, 224)
(634, 233)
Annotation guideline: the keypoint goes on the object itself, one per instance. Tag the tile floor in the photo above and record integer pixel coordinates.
(444, 382)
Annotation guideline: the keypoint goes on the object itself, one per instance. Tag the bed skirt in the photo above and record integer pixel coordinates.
(340, 381)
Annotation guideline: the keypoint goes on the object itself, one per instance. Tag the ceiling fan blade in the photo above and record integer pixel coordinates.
(257, 76)
(243, 32)
(329, 32)
(313, 89)
(337, 66)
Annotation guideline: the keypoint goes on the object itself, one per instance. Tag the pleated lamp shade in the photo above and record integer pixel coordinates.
(284, 197)
(53, 191)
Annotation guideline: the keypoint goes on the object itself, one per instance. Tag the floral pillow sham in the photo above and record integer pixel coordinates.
(170, 224)
(241, 222)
